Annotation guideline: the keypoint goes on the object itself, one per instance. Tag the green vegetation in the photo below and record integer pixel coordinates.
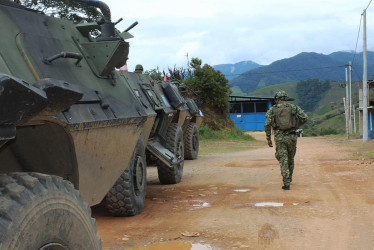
(311, 129)
(311, 92)
(68, 9)
(226, 141)
(210, 85)
(289, 87)
(208, 147)
(211, 88)
(234, 134)
(206, 86)
(237, 91)
(154, 73)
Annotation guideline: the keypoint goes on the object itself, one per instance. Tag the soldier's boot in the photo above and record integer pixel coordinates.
(286, 187)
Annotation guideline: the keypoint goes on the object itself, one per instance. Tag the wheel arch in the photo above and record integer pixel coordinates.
(45, 147)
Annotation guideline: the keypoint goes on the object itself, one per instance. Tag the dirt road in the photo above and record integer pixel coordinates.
(235, 201)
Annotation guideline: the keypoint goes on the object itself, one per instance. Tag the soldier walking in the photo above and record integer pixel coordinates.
(284, 118)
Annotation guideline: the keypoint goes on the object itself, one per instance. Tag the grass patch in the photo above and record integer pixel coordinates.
(226, 141)
(206, 133)
(208, 146)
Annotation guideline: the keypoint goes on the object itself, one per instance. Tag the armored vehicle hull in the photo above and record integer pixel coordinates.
(74, 130)
(94, 138)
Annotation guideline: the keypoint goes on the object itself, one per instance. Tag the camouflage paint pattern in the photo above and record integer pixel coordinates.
(285, 152)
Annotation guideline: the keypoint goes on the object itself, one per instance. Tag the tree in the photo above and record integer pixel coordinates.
(195, 63)
(178, 73)
(210, 85)
(69, 9)
(154, 73)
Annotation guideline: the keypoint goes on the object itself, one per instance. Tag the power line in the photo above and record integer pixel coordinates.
(284, 71)
(368, 5)
(358, 35)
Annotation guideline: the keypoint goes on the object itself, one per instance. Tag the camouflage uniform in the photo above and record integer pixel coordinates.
(285, 141)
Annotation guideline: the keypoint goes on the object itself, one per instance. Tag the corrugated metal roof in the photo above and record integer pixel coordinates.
(235, 98)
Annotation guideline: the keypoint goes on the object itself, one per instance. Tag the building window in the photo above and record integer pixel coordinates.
(235, 108)
(261, 107)
(248, 107)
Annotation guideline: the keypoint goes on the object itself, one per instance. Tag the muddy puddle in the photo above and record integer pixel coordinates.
(243, 190)
(197, 203)
(267, 204)
(275, 204)
(172, 245)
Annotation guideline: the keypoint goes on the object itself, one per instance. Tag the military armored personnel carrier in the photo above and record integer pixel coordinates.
(73, 130)
(192, 122)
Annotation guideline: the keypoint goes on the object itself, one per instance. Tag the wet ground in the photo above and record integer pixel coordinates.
(235, 201)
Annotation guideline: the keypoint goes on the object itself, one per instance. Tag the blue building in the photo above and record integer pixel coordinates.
(249, 112)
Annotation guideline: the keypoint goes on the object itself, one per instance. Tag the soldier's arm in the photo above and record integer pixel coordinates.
(268, 126)
(303, 117)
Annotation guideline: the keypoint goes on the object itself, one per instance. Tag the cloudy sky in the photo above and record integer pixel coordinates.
(230, 31)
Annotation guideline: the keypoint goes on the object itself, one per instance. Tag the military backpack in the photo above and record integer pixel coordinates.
(285, 117)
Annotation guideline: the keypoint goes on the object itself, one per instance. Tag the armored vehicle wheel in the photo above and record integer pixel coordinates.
(44, 212)
(174, 142)
(127, 196)
(191, 142)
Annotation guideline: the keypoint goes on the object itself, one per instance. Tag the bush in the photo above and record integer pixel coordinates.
(321, 132)
(328, 131)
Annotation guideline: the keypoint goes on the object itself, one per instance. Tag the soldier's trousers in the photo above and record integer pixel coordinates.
(285, 153)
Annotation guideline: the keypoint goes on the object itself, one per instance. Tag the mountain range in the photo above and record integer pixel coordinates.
(303, 66)
(233, 70)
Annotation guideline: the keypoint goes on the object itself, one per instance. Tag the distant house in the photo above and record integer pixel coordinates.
(249, 112)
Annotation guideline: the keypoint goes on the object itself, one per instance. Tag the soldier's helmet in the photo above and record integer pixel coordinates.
(283, 96)
(139, 68)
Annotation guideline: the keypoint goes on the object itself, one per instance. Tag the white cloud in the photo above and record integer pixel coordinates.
(238, 30)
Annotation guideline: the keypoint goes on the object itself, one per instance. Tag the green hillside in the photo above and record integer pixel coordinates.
(237, 91)
(270, 91)
(327, 116)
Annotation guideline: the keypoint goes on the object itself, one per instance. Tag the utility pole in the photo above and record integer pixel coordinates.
(345, 100)
(350, 97)
(346, 117)
(354, 120)
(365, 131)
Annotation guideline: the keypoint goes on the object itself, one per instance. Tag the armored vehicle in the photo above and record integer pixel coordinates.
(188, 116)
(192, 122)
(74, 130)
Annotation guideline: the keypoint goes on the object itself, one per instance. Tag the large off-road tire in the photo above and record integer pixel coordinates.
(174, 142)
(127, 196)
(44, 212)
(191, 142)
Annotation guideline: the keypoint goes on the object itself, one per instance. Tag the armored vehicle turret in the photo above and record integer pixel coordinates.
(74, 130)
